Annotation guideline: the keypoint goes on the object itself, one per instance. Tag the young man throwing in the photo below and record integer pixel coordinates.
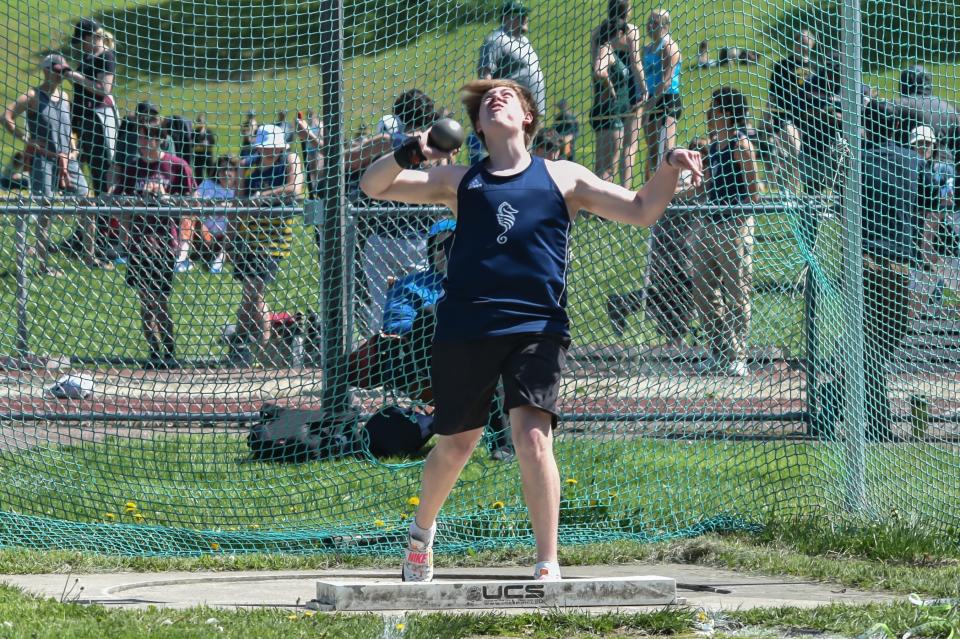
(504, 304)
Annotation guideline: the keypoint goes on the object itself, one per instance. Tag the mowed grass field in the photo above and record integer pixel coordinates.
(620, 488)
(92, 314)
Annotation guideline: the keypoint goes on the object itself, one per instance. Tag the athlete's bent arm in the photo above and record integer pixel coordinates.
(385, 180)
(640, 208)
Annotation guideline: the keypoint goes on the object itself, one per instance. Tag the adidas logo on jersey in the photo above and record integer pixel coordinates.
(475, 183)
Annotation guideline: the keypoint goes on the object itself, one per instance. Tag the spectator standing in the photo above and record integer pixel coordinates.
(661, 68)
(895, 187)
(151, 239)
(548, 144)
(94, 116)
(224, 188)
(204, 142)
(508, 54)
(611, 99)
(723, 245)
(789, 77)
(262, 240)
(565, 123)
(917, 106)
(820, 130)
(628, 54)
(667, 293)
(48, 140)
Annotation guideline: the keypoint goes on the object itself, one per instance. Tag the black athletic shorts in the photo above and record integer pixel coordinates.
(465, 374)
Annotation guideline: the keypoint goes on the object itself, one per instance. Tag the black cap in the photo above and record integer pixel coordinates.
(83, 28)
(147, 108)
(514, 8)
(916, 80)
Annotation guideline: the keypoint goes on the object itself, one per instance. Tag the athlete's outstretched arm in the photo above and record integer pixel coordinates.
(386, 180)
(640, 208)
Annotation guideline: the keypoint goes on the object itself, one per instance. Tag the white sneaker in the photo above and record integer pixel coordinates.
(183, 266)
(738, 368)
(217, 266)
(547, 571)
(417, 561)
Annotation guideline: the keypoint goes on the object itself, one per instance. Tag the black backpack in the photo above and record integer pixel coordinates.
(395, 432)
(293, 436)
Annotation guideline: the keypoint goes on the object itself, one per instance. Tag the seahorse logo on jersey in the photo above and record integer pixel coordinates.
(506, 216)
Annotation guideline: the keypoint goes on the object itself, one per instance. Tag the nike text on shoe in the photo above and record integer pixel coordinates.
(417, 562)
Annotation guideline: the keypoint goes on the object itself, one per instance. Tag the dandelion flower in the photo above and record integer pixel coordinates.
(413, 501)
(110, 516)
(403, 516)
(379, 523)
(497, 504)
(215, 546)
(401, 626)
(292, 617)
(571, 482)
(130, 505)
(138, 518)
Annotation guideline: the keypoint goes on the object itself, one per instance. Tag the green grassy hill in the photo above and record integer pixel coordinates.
(93, 313)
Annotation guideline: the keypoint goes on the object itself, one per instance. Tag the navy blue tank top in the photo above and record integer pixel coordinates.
(507, 268)
(728, 184)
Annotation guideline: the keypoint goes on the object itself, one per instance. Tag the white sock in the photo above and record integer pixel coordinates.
(423, 535)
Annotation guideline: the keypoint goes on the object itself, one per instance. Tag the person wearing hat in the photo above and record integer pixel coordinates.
(896, 188)
(925, 279)
(151, 240)
(261, 240)
(507, 54)
(917, 105)
(48, 141)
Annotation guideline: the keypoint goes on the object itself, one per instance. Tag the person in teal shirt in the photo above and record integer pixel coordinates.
(661, 69)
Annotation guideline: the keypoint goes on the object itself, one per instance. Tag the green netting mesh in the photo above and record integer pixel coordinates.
(786, 342)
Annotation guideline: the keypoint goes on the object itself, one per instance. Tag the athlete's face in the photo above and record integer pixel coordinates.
(502, 110)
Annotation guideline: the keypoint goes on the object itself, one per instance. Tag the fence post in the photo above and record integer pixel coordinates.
(851, 101)
(23, 331)
(330, 240)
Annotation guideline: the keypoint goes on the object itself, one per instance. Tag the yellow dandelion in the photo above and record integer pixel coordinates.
(130, 505)
(292, 617)
(215, 546)
(571, 482)
(413, 501)
(401, 626)
(255, 526)
(497, 504)
(138, 518)
(379, 523)
(404, 516)
(308, 613)
(612, 495)
(110, 516)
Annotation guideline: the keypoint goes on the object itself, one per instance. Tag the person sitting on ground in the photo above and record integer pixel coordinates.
(398, 357)
(726, 55)
(16, 175)
(214, 227)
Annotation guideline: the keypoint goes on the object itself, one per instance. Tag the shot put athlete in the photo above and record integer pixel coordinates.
(503, 311)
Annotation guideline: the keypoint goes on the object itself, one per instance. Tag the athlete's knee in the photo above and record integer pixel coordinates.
(461, 445)
(532, 436)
